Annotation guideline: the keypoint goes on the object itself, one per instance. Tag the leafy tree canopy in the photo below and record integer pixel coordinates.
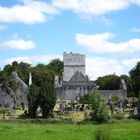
(41, 74)
(21, 68)
(135, 76)
(56, 66)
(109, 82)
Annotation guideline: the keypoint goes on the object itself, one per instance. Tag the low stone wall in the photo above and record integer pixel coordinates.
(106, 94)
(71, 94)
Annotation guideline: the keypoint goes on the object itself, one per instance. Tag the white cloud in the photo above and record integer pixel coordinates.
(29, 12)
(91, 7)
(94, 7)
(100, 66)
(18, 59)
(18, 44)
(3, 27)
(33, 59)
(100, 43)
(136, 30)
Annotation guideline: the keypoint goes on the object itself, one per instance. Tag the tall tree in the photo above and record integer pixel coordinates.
(56, 66)
(47, 98)
(42, 74)
(135, 76)
(32, 97)
(109, 82)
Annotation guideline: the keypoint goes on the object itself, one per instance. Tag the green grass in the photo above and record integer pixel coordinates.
(31, 131)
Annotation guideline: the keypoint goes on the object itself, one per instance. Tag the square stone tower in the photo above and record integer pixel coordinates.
(73, 63)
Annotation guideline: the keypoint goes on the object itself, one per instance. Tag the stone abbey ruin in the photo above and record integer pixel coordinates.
(75, 82)
(70, 87)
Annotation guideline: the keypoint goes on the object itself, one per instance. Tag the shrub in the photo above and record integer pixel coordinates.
(4, 111)
(102, 134)
(99, 111)
(85, 99)
(115, 98)
(118, 116)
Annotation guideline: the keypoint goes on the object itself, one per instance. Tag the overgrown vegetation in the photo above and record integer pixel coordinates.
(99, 111)
(135, 76)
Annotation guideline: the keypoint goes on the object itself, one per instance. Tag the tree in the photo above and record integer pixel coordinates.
(32, 98)
(109, 82)
(41, 75)
(8, 83)
(47, 99)
(44, 96)
(135, 76)
(42, 93)
(56, 66)
(99, 111)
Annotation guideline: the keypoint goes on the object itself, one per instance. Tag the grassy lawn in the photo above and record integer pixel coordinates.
(30, 131)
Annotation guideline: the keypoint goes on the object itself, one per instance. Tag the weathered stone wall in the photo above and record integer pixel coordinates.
(20, 94)
(5, 99)
(72, 94)
(106, 94)
(72, 63)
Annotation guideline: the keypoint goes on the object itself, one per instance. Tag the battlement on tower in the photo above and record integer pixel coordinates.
(73, 62)
(71, 59)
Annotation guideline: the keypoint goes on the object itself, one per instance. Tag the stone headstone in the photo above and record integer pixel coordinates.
(135, 111)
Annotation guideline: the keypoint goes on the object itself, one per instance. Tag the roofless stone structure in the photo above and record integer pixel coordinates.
(76, 83)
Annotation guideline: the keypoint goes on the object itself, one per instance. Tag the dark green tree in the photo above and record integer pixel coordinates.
(33, 97)
(109, 82)
(47, 99)
(56, 66)
(41, 75)
(21, 68)
(135, 76)
(45, 95)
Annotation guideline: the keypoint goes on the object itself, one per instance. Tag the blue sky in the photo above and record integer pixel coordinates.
(106, 31)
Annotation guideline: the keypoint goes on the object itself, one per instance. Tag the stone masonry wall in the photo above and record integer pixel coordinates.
(72, 94)
(106, 94)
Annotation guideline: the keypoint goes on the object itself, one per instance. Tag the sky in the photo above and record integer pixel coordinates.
(38, 31)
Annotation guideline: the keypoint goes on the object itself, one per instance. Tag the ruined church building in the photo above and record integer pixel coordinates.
(76, 83)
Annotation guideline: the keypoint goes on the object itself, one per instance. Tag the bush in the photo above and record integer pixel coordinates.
(99, 111)
(115, 98)
(4, 111)
(85, 99)
(102, 135)
(118, 116)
